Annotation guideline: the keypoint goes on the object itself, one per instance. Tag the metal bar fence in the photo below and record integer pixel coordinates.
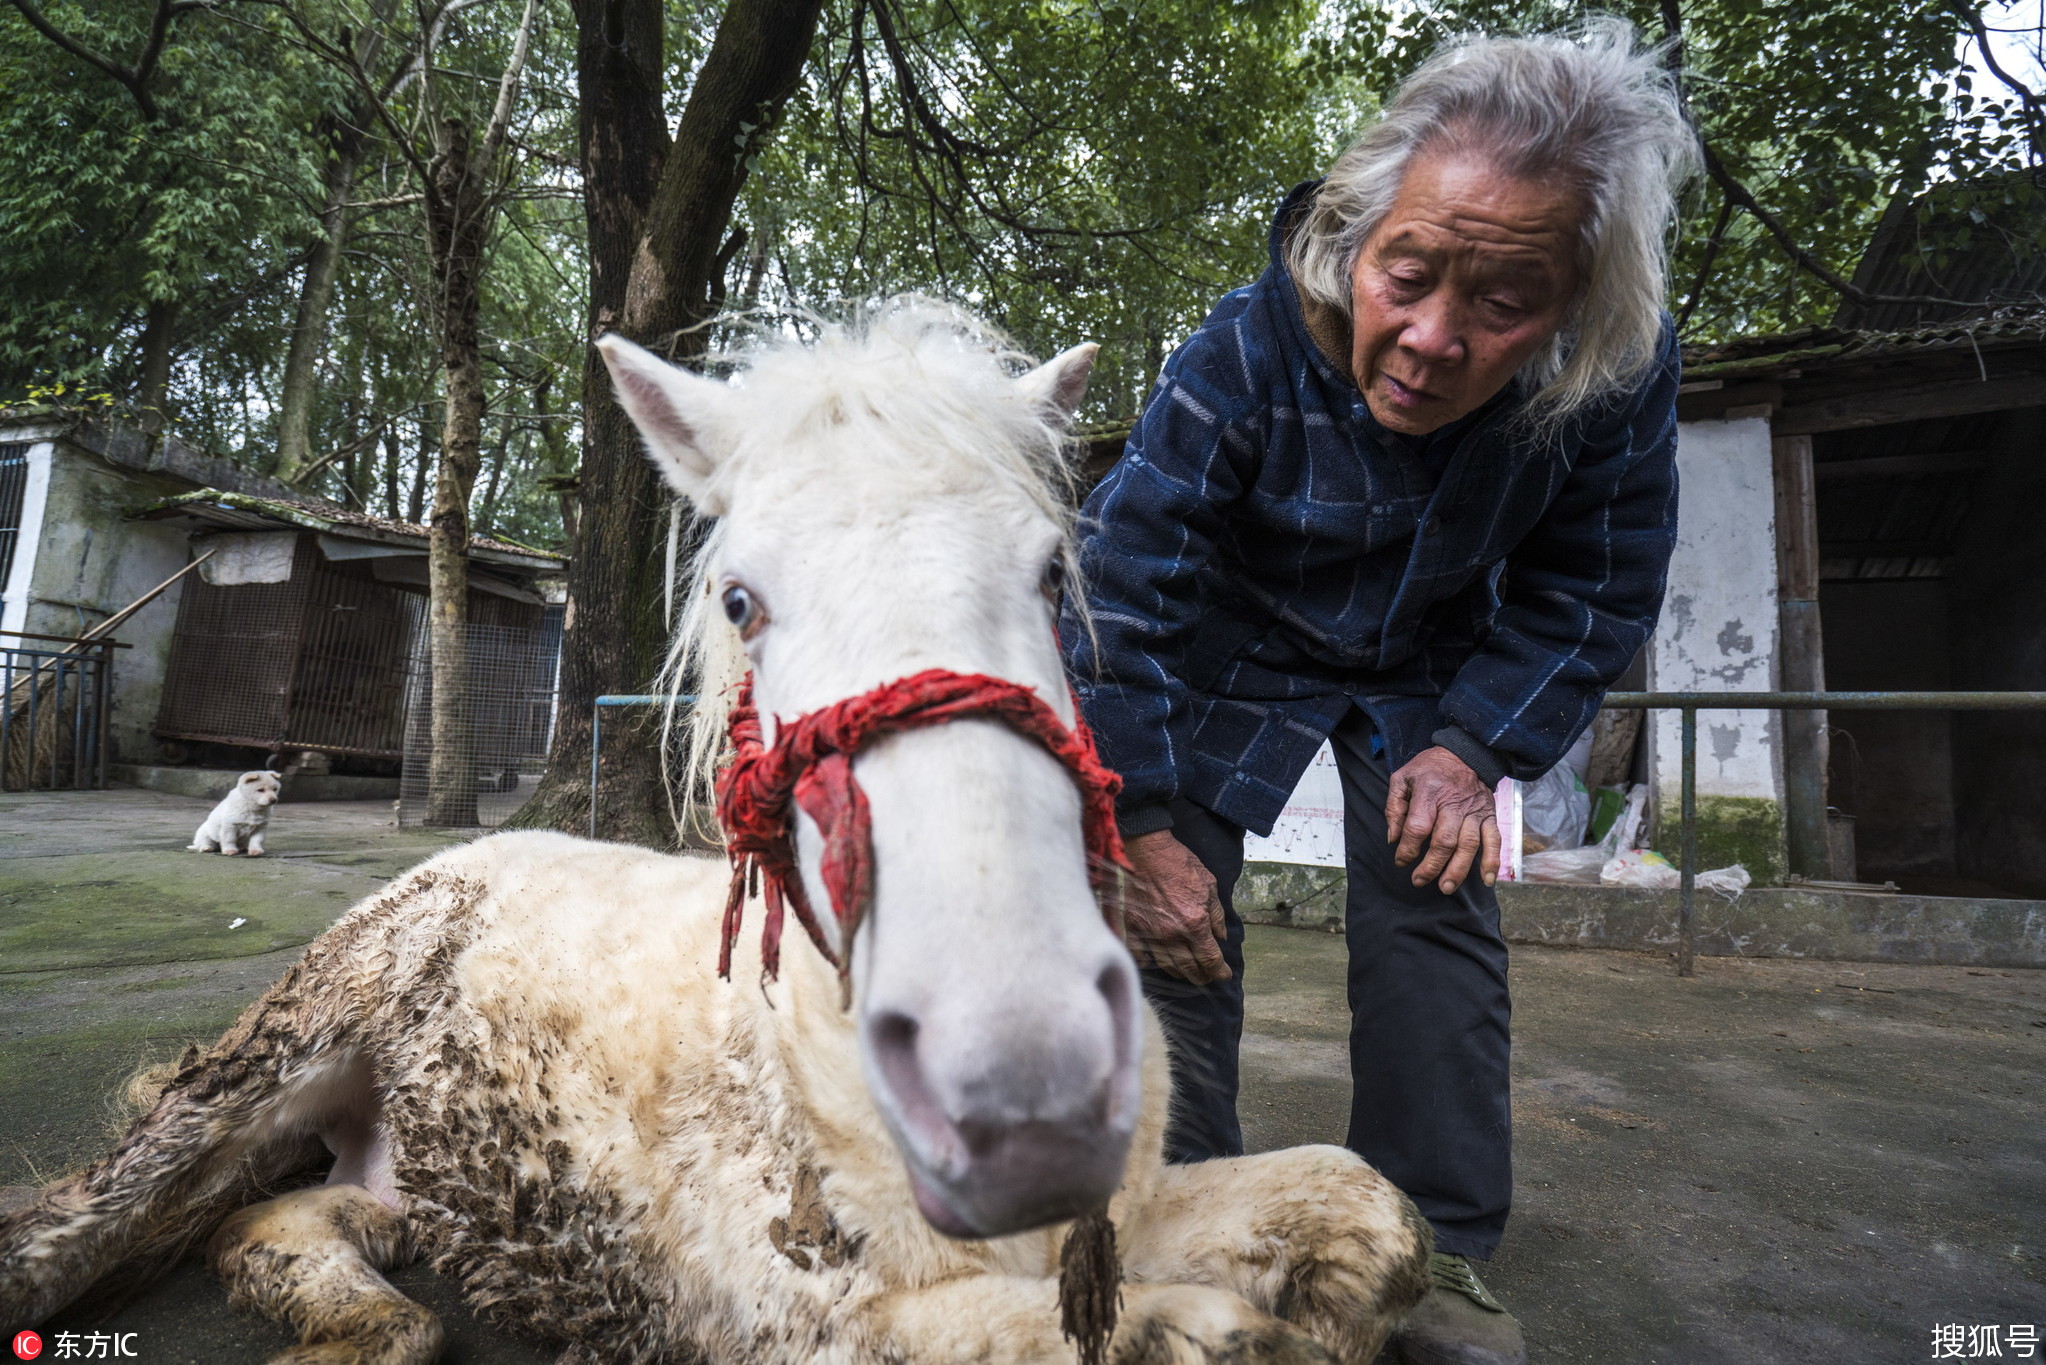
(53, 714)
(1689, 704)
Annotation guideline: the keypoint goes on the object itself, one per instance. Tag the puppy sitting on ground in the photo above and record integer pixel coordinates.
(236, 824)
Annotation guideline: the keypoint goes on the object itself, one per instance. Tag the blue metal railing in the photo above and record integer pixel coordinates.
(53, 712)
(597, 731)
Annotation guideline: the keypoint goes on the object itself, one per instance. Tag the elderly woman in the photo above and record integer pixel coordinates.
(1412, 492)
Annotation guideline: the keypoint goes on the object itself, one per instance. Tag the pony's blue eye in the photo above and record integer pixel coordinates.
(740, 608)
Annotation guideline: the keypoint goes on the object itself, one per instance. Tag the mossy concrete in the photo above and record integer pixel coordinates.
(1747, 830)
(120, 909)
(1762, 922)
(1794, 922)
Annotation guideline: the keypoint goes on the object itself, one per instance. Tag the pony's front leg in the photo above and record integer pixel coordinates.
(1310, 1234)
(1010, 1320)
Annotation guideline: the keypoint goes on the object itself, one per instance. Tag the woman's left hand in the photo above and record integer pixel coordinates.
(1436, 802)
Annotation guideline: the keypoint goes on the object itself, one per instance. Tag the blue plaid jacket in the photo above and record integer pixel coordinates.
(1262, 557)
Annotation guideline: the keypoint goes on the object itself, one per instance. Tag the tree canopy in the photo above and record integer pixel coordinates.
(1100, 170)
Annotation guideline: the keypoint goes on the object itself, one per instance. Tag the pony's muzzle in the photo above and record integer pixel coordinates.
(1020, 1118)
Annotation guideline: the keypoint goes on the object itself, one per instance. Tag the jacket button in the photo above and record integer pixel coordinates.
(1431, 526)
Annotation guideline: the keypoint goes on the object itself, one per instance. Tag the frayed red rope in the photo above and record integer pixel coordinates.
(809, 768)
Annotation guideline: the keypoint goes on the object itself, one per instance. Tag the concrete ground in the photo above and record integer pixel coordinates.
(1773, 1162)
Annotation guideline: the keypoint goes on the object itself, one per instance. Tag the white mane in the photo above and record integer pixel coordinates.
(940, 383)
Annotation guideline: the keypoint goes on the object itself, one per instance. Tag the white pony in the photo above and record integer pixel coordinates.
(525, 1065)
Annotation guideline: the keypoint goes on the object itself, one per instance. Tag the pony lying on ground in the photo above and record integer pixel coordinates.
(525, 1064)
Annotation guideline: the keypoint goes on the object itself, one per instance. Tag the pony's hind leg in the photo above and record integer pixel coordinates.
(229, 1124)
(313, 1259)
(1312, 1235)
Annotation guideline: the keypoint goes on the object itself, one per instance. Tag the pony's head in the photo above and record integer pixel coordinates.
(890, 498)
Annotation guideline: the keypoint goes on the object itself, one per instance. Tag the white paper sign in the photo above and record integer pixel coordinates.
(1310, 829)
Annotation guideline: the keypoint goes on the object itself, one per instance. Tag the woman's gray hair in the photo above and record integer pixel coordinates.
(1591, 105)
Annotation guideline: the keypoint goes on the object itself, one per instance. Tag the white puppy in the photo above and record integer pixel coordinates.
(236, 824)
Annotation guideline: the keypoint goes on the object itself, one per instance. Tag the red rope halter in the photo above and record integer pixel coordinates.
(811, 767)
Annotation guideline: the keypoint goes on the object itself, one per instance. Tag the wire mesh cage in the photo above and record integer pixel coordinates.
(509, 687)
(317, 661)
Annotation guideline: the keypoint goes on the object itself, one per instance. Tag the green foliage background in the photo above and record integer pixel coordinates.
(1096, 170)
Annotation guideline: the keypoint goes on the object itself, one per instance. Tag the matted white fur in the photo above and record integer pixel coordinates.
(236, 825)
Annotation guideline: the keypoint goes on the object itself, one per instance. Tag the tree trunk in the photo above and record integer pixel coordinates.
(415, 501)
(658, 213)
(315, 298)
(455, 220)
(500, 454)
(611, 640)
(152, 392)
(392, 454)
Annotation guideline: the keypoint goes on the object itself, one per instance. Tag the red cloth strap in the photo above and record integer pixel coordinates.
(810, 768)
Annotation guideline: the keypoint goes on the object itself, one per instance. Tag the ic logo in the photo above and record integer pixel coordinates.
(27, 1345)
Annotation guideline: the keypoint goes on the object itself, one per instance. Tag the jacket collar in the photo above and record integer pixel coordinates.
(1324, 327)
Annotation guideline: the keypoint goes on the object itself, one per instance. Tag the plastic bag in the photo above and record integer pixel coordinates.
(1727, 881)
(1567, 866)
(1581, 866)
(1608, 804)
(1554, 810)
(1640, 867)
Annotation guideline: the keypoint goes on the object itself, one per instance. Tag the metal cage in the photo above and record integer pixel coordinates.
(322, 661)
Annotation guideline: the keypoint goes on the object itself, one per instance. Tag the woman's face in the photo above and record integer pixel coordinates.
(1469, 273)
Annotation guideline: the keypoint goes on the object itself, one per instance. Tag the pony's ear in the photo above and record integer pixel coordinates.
(675, 411)
(1057, 386)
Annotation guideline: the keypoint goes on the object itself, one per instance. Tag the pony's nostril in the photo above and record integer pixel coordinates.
(892, 1035)
(982, 1138)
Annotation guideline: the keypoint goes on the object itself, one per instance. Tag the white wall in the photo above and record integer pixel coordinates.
(81, 560)
(1718, 631)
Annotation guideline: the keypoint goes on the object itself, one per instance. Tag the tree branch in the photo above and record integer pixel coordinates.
(1726, 207)
(1737, 195)
(135, 78)
(507, 90)
(354, 447)
(2034, 107)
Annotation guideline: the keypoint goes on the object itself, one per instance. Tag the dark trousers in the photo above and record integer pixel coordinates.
(1429, 1042)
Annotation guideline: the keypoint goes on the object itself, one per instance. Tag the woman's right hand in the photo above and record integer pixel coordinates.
(1174, 921)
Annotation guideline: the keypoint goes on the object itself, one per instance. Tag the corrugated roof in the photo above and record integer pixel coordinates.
(1764, 357)
(1974, 241)
(245, 512)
